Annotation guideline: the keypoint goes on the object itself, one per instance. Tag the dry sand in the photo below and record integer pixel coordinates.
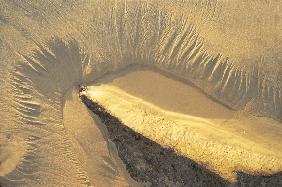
(229, 49)
(96, 153)
(180, 116)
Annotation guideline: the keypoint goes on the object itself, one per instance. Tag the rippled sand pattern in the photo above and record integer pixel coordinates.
(230, 50)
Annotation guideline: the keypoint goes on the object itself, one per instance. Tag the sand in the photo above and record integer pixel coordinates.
(95, 151)
(179, 116)
(231, 50)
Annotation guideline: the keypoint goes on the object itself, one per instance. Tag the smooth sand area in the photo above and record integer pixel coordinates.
(96, 153)
(180, 116)
(167, 93)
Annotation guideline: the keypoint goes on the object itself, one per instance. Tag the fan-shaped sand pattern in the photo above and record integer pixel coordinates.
(47, 48)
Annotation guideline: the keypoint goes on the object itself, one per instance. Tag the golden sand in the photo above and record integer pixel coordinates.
(179, 116)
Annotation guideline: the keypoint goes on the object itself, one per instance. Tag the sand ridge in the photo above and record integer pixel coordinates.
(50, 47)
(202, 138)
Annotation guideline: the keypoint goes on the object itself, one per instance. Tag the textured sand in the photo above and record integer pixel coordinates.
(231, 50)
(179, 116)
